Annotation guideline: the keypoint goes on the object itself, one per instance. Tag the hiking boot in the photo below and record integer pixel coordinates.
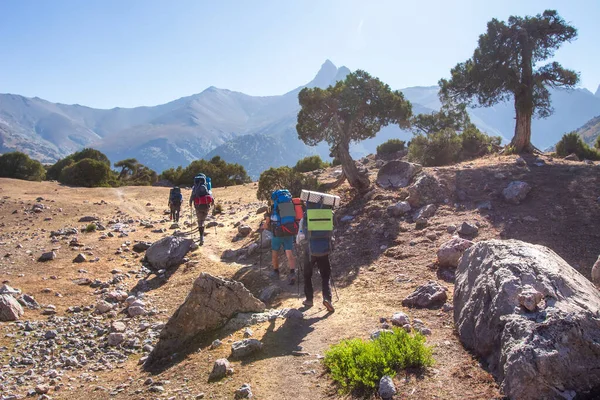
(292, 277)
(274, 274)
(307, 303)
(328, 305)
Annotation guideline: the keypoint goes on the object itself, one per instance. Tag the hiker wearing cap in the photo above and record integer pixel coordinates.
(202, 199)
(316, 236)
(281, 221)
(175, 200)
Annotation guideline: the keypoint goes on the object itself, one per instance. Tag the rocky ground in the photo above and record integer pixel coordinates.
(92, 312)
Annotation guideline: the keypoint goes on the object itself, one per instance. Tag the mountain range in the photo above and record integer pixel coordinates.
(256, 131)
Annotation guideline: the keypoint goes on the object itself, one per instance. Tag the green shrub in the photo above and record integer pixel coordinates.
(220, 172)
(19, 166)
(218, 209)
(284, 178)
(391, 146)
(597, 142)
(439, 148)
(87, 173)
(476, 143)
(335, 162)
(55, 170)
(573, 143)
(309, 164)
(91, 228)
(358, 365)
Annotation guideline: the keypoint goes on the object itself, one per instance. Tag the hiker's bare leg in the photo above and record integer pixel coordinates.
(291, 259)
(275, 259)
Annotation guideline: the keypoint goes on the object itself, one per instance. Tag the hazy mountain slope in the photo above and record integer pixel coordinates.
(590, 130)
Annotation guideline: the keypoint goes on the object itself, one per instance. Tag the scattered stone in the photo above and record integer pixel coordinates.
(451, 228)
(209, 305)
(399, 209)
(572, 157)
(50, 334)
(103, 307)
(10, 309)
(244, 230)
(347, 218)
(425, 190)
(520, 161)
(421, 223)
(387, 389)
(88, 219)
(48, 256)
(168, 252)
(550, 353)
(400, 319)
(115, 338)
(425, 212)
(140, 247)
(377, 333)
(80, 258)
(243, 348)
(248, 333)
(215, 344)
(516, 192)
(243, 392)
(135, 311)
(269, 293)
(220, 369)
(42, 389)
(5, 289)
(484, 205)
(431, 294)
(450, 252)
(468, 229)
(118, 326)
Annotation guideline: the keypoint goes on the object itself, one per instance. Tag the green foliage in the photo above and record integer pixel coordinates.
(391, 146)
(220, 172)
(134, 174)
(358, 365)
(19, 166)
(218, 209)
(91, 228)
(573, 143)
(312, 163)
(438, 148)
(335, 162)
(284, 178)
(597, 143)
(55, 170)
(349, 111)
(448, 136)
(87, 173)
(504, 66)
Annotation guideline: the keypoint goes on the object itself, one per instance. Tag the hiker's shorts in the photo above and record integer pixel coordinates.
(286, 241)
(201, 214)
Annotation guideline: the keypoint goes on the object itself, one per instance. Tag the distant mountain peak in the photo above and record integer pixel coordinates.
(325, 76)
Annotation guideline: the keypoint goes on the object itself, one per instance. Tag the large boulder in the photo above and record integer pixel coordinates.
(397, 174)
(168, 252)
(532, 317)
(10, 309)
(426, 190)
(209, 305)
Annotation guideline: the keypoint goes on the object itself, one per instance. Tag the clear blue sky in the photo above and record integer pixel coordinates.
(108, 53)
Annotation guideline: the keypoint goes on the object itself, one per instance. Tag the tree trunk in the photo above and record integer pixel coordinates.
(357, 180)
(522, 139)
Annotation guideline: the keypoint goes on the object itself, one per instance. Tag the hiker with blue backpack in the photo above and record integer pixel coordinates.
(281, 221)
(202, 199)
(316, 236)
(175, 200)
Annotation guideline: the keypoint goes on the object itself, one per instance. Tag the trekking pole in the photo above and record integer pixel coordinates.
(334, 288)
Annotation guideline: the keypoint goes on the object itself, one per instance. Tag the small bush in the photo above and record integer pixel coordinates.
(218, 209)
(335, 162)
(391, 146)
(439, 148)
(358, 365)
(597, 143)
(284, 178)
(573, 143)
(55, 170)
(476, 143)
(309, 164)
(91, 228)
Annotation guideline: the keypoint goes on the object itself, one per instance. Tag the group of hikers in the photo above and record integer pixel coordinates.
(307, 221)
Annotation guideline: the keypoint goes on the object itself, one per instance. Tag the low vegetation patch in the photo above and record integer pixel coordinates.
(18, 165)
(284, 178)
(220, 172)
(91, 228)
(358, 365)
(572, 143)
(391, 146)
(309, 164)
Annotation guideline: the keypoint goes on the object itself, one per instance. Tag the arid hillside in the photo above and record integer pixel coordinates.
(63, 349)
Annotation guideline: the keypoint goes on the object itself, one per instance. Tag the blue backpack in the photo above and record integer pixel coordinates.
(283, 216)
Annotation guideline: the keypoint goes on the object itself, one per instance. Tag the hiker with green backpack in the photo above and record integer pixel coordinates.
(281, 221)
(316, 235)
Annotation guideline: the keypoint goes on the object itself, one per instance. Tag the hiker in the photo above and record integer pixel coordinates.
(202, 199)
(316, 237)
(281, 221)
(175, 200)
